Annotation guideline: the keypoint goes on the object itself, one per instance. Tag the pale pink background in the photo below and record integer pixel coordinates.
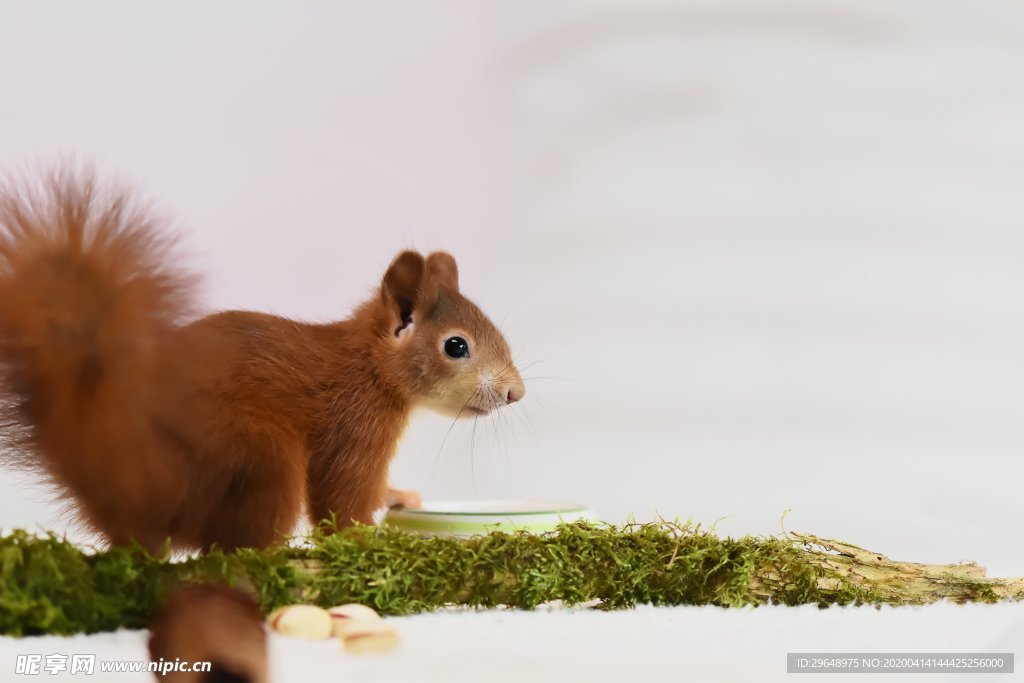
(769, 254)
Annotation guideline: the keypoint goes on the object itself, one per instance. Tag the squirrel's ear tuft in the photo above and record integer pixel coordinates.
(442, 271)
(402, 282)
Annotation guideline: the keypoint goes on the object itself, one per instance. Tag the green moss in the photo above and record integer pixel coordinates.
(48, 585)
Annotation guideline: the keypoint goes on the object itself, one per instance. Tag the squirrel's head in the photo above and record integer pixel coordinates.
(444, 352)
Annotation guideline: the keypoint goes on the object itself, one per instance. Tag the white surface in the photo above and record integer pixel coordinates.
(768, 254)
(648, 644)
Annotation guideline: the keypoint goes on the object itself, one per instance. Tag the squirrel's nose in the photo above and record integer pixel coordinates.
(514, 393)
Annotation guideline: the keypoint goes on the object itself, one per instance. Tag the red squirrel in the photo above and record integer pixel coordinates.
(218, 430)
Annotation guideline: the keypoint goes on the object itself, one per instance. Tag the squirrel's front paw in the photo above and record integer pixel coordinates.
(409, 499)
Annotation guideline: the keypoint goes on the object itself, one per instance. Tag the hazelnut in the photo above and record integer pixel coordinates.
(301, 621)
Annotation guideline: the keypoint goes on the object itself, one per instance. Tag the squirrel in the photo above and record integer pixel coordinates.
(217, 430)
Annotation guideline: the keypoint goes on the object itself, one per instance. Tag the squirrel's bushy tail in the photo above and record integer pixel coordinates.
(89, 293)
(210, 623)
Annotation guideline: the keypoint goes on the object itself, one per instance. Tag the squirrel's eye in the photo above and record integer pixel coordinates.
(456, 347)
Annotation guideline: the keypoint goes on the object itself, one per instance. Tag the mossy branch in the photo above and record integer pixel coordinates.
(907, 582)
(48, 585)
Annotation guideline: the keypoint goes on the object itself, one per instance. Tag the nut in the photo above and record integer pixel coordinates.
(368, 635)
(301, 621)
(345, 614)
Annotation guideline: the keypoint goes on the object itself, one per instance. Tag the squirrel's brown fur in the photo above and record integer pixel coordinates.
(220, 430)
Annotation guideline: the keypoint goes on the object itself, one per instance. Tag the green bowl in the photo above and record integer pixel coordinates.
(472, 518)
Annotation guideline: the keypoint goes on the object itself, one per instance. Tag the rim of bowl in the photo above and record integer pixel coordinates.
(491, 508)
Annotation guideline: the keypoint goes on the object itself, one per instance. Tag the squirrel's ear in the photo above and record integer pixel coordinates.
(402, 282)
(442, 271)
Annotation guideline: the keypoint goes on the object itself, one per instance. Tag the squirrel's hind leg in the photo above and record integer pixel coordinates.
(259, 502)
